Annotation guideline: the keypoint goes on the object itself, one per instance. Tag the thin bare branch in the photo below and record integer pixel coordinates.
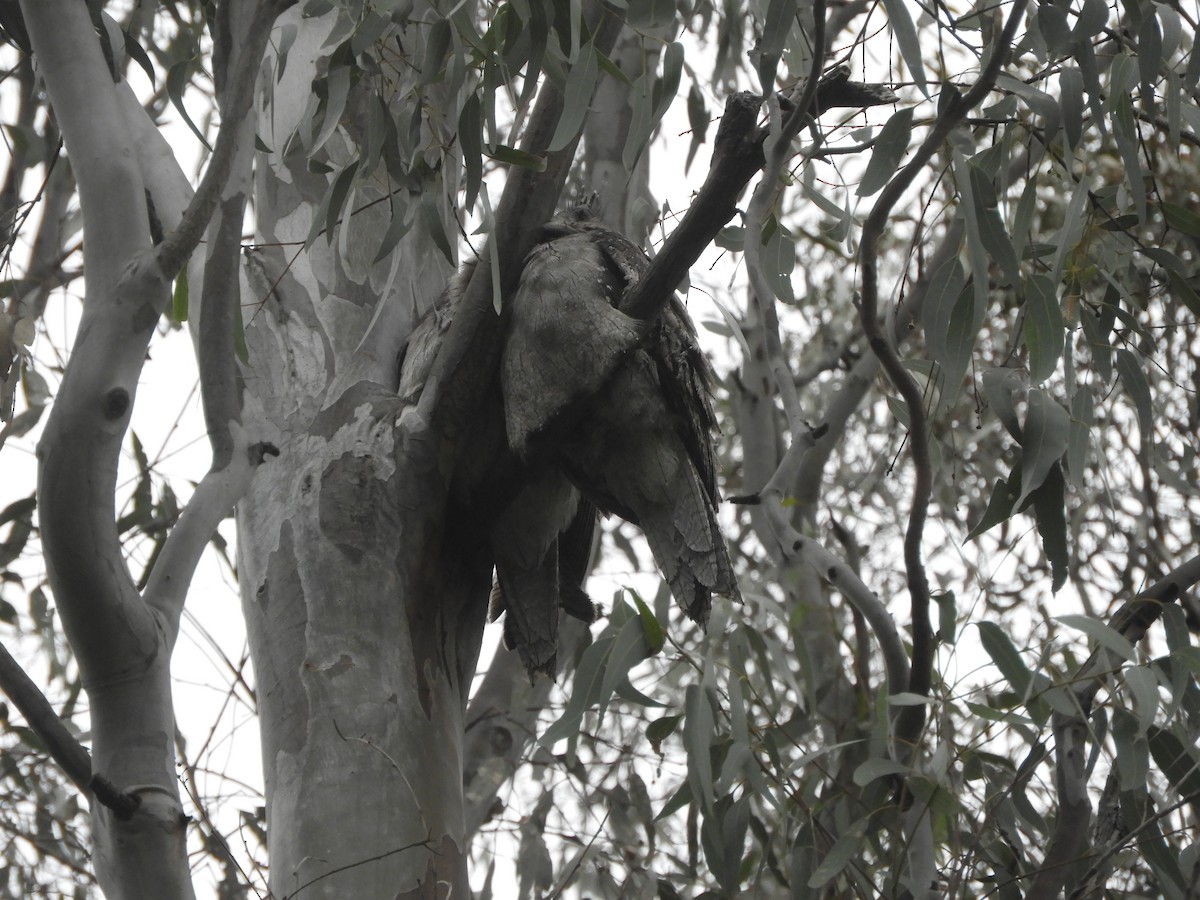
(829, 566)
(912, 718)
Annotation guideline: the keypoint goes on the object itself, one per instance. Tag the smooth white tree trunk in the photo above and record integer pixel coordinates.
(364, 617)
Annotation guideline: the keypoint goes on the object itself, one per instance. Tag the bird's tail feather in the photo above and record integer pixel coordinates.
(688, 546)
(529, 597)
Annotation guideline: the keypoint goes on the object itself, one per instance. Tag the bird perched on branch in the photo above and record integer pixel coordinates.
(622, 407)
(600, 410)
(536, 526)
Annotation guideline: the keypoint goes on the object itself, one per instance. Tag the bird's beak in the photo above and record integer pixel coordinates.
(555, 229)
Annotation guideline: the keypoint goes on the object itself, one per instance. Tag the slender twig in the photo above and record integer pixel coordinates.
(567, 876)
(365, 861)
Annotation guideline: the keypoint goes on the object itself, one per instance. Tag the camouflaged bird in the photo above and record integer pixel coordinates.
(540, 533)
(624, 409)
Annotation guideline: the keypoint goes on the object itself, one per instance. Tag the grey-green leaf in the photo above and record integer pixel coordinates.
(941, 297)
(1102, 634)
(1049, 510)
(1070, 83)
(1134, 382)
(889, 150)
(1043, 334)
(1044, 440)
(577, 97)
(1000, 648)
(909, 43)
(1082, 418)
(697, 739)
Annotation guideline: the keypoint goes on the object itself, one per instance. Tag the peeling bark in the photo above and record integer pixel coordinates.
(364, 616)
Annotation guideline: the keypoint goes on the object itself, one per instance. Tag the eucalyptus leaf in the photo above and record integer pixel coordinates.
(1043, 335)
(906, 38)
(889, 150)
(1044, 440)
(577, 98)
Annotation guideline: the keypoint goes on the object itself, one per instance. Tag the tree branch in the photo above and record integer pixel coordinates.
(861, 377)
(65, 750)
(912, 718)
(221, 488)
(234, 460)
(116, 639)
(169, 188)
(175, 249)
(85, 108)
(829, 566)
(123, 296)
(1131, 621)
(737, 155)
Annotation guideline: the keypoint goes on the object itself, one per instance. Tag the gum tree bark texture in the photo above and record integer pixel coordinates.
(364, 616)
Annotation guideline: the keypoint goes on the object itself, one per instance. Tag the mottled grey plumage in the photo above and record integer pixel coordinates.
(420, 350)
(565, 338)
(623, 408)
(527, 584)
(525, 547)
(538, 528)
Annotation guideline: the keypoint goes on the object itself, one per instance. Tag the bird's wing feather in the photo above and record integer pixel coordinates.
(564, 337)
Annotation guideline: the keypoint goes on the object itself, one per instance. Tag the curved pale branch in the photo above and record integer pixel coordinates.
(124, 292)
(221, 487)
(829, 566)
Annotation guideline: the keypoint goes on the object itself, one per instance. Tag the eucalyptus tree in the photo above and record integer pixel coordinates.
(957, 390)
